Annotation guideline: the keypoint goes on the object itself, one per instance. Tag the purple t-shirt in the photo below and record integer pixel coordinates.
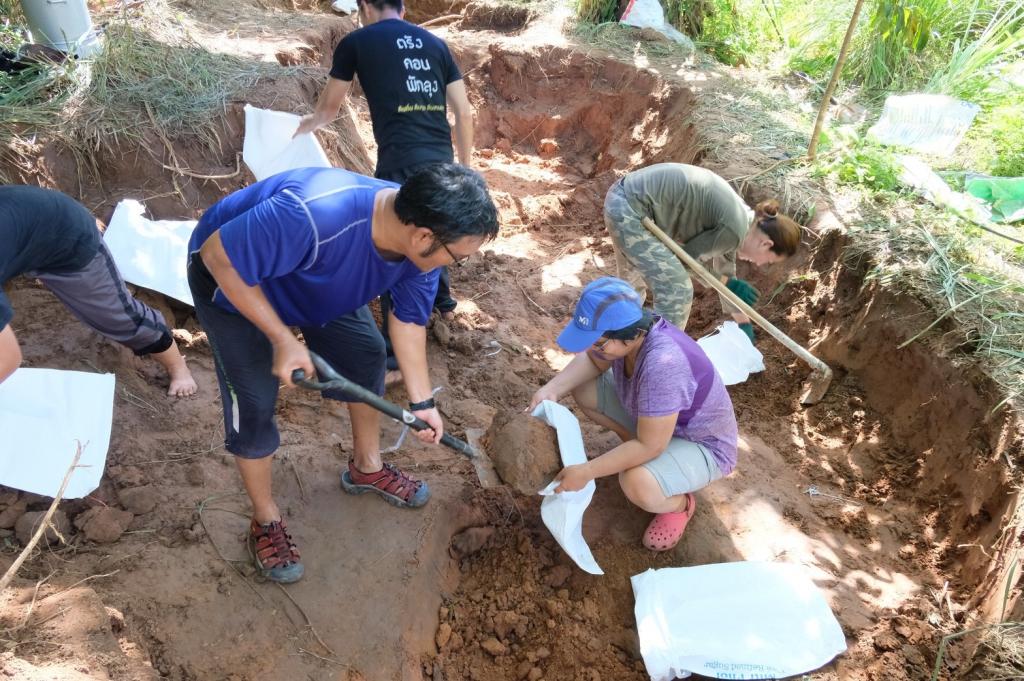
(673, 376)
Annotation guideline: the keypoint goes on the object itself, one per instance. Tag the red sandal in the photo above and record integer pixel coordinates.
(274, 552)
(397, 488)
(666, 529)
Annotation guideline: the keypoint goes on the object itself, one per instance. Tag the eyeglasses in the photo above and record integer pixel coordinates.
(599, 346)
(457, 261)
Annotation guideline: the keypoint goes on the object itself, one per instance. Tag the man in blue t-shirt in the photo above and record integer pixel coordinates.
(310, 248)
(409, 78)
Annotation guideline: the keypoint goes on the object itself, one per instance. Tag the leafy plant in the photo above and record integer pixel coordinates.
(597, 11)
(973, 70)
(854, 160)
(998, 139)
(734, 31)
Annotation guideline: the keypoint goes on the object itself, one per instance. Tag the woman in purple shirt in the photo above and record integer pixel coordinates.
(650, 383)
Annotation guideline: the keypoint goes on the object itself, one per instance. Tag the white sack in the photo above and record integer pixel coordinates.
(929, 124)
(268, 147)
(732, 353)
(744, 620)
(344, 6)
(150, 253)
(563, 513)
(43, 414)
(649, 14)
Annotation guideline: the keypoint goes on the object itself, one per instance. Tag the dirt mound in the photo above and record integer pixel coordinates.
(419, 11)
(88, 637)
(496, 17)
(524, 451)
(524, 612)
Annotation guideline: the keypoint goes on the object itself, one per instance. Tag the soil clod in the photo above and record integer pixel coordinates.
(524, 451)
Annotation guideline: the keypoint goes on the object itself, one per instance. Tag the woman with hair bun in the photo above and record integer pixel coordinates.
(703, 214)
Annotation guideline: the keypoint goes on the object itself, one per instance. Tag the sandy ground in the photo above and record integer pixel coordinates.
(902, 438)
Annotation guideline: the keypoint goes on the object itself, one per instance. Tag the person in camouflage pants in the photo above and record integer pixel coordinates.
(703, 214)
(648, 261)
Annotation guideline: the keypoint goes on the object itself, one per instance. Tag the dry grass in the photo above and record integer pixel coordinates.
(1001, 653)
(150, 73)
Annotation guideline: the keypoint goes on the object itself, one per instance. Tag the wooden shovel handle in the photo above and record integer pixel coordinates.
(712, 281)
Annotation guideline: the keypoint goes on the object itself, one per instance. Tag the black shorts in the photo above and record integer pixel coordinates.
(243, 355)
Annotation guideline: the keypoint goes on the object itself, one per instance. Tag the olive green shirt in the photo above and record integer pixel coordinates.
(694, 206)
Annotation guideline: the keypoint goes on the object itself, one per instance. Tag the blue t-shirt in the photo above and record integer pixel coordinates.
(305, 237)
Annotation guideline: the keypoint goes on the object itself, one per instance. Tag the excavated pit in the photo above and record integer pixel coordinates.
(910, 437)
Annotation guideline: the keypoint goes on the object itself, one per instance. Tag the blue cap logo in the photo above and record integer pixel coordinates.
(606, 304)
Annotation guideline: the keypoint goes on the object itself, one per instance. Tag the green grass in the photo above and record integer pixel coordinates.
(996, 141)
(596, 11)
(855, 161)
(989, 43)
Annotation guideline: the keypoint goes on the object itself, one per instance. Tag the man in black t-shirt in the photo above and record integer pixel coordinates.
(49, 236)
(409, 78)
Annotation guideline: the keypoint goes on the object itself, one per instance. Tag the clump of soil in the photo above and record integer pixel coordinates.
(104, 525)
(524, 451)
(523, 613)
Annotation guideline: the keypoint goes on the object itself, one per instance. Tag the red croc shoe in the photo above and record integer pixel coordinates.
(666, 529)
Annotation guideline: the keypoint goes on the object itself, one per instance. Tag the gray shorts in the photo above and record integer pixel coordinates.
(683, 467)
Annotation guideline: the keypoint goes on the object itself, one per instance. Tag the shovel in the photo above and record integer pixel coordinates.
(335, 381)
(817, 383)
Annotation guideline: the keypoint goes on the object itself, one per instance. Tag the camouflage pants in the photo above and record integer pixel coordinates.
(644, 262)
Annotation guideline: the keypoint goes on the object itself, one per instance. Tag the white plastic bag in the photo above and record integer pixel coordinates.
(268, 147)
(917, 174)
(732, 353)
(649, 14)
(150, 253)
(562, 513)
(743, 620)
(44, 414)
(929, 124)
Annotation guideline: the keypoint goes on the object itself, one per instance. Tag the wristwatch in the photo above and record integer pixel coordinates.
(425, 404)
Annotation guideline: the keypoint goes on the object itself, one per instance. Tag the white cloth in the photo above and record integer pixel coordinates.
(732, 353)
(43, 412)
(268, 147)
(928, 124)
(150, 253)
(744, 620)
(563, 513)
(344, 6)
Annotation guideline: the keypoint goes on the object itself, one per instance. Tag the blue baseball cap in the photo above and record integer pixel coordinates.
(607, 304)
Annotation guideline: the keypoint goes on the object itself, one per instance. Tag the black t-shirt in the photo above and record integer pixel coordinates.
(404, 71)
(42, 229)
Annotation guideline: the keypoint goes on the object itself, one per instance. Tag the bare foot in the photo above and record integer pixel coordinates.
(182, 385)
(392, 377)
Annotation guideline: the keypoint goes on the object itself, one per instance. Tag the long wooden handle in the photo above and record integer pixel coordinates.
(714, 283)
